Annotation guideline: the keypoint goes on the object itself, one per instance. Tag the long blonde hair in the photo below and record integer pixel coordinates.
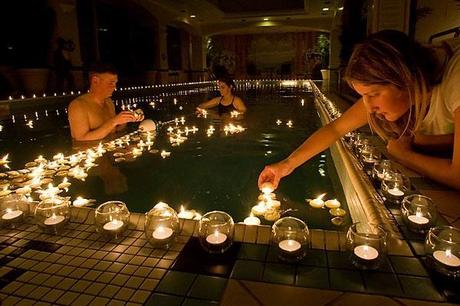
(391, 57)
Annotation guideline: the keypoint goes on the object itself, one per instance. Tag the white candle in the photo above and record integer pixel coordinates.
(316, 203)
(113, 225)
(259, 209)
(418, 219)
(185, 214)
(54, 220)
(396, 192)
(366, 252)
(12, 214)
(216, 238)
(332, 203)
(289, 245)
(161, 233)
(267, 188)
(252, 220)
(446, 257)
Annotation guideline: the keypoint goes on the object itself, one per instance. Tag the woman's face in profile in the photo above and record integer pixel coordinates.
(386, 101)
(224, 89)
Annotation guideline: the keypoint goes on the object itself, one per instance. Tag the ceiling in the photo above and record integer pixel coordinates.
(211, 17)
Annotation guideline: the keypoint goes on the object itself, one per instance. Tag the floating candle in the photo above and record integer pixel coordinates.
(12, 214)
(252, 220)
(80, 202)
(113, 225)
(447, 258)
(366, 252)
(332, 203)
(337, 212)
(318, 202)
(267, 188)
(185, 214)
(289, 245)
(216, 238)
(161, 233)
(259, 209)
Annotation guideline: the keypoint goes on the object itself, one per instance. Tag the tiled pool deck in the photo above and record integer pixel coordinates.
(78, 267)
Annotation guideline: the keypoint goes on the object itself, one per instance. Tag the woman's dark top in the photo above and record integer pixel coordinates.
(225, 108)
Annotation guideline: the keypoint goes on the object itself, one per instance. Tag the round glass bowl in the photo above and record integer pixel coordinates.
(161, 226)
(51, 215)
(394, 186)
(381, 169)
(13, 209)
(419, 213)
(111, 219)
(442, 248)
(367, 244)
(216, 231)
(290, 237)
(369, 157)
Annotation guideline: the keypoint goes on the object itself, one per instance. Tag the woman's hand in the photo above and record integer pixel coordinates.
(274, 172)
(398, 148)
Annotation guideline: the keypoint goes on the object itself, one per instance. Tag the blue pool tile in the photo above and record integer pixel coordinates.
(419, 288)
(382, 283)
(208, 287)
(279, 273)
(248, 270)
(164, 300)
(408, 265)
(312, 277)
(175, 282)
(346, 280)
(253, 251)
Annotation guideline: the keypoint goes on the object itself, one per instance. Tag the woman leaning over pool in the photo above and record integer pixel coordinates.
(410, 96)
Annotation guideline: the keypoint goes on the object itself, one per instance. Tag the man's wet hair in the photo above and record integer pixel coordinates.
(100, 67)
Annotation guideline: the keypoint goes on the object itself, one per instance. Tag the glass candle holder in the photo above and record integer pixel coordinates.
(380, 170)
(360, 141)
(442, 247)
(419, 213)
(52, 214)
(291, 237)
(394, 186)
(369, 156)
(111, 219)
(367, 244)
(13, 209)
(161, 226)
(216, 231)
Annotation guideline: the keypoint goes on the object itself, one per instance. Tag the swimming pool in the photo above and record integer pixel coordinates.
(215, 172)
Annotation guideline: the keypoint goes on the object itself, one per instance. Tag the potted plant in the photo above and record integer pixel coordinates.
(323, 48)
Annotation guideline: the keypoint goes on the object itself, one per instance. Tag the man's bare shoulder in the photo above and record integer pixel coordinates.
(79, 102)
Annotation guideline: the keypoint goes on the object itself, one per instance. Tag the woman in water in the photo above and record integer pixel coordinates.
(227, 102)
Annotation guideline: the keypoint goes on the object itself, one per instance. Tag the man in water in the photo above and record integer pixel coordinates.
(92, 115)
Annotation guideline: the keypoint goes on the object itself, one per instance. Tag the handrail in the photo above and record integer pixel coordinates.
(455, 30)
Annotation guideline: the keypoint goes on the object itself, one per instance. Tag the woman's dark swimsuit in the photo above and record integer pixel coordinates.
(225, 108)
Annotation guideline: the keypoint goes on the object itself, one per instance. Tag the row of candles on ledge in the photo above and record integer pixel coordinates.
(442, 244)
(366, 243)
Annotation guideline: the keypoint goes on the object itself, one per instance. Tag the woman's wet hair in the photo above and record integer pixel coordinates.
(390, 57)
(229, 81)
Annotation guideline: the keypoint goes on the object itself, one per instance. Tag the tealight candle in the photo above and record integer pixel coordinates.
(216, 238)
(395, 192)
(267, 188)
(185, 214)
(259, 209)
(252, 220)
(366, 252)
(162, 233)
(79, 202)
(289, 245)
(12, 214)
(54, 220)
(316, 203)
(113, 225)
(332, 203)
(447, 258)
(418, 219)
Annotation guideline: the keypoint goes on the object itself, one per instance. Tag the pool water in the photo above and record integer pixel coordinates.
(216, 172)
